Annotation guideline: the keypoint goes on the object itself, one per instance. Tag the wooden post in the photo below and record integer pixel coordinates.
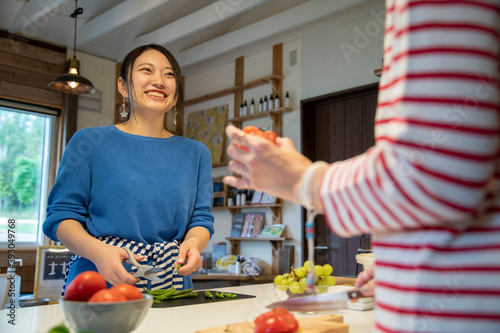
(238, 81)
(277, 84)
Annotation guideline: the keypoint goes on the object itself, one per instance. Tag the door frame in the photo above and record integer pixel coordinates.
(307, 106)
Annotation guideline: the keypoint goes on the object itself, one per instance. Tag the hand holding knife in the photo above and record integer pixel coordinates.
(320, 302)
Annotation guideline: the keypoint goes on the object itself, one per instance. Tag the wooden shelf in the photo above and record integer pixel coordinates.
(232, 90)
(219, 194)
(276, 115)
(271, 114)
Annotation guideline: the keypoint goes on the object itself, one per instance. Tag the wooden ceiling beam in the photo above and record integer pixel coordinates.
(198, 20)
(34, 11)
(114, 18)
(279, 23)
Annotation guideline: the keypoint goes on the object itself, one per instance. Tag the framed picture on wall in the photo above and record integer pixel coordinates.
(51, 264)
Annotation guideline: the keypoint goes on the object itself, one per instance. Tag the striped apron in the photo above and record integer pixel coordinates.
(160, 255)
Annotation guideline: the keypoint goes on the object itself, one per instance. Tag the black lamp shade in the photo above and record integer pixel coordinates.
(72, 84)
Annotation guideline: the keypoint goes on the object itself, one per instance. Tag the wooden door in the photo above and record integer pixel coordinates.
(336, 127)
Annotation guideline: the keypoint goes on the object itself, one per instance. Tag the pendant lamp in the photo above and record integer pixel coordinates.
(72, 82)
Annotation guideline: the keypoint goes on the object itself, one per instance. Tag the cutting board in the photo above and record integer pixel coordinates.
(200, 299)
(323, 324)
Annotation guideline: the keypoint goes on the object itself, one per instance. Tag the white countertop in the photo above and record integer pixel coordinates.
(188, 319)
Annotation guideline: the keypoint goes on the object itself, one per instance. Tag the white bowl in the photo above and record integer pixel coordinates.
(365, 259)
(113, 317)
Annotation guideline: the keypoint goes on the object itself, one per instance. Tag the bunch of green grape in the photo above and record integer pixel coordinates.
(295, 281)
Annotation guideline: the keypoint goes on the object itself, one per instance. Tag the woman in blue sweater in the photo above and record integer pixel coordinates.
(135, 184)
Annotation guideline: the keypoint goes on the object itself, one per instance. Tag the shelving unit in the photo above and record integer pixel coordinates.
(235, 89)
(275, 115)
(275, 209)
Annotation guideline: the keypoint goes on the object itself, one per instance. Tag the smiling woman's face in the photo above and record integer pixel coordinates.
(153, 83)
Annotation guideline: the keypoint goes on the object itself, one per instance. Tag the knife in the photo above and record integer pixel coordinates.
(319, 302)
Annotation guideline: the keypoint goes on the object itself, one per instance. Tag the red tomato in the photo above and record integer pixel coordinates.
(84, 285)
(127, 290)
(252, 130)
(270, 135)
(107, 295)
(276, 320)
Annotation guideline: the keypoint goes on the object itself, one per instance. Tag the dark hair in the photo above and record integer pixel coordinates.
(128, 62)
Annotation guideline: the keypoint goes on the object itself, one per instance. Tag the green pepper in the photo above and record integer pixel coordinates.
(208, 294)
(166, 294)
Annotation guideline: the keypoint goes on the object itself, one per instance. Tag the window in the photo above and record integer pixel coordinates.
(25, 137)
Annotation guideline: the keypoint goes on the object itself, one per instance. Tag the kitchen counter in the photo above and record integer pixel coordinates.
(188, 318)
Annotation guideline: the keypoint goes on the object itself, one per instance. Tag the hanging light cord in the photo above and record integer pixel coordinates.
(78, 11)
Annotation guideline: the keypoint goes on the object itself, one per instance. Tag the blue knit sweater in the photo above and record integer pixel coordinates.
(134, 187)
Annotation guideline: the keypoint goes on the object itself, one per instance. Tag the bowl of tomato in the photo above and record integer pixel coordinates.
(90, 306)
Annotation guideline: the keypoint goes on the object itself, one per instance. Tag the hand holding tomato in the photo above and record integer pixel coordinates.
(268, 135)
(276, 321)
(274, 169)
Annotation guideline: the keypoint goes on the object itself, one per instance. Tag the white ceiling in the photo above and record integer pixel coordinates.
(193, 30)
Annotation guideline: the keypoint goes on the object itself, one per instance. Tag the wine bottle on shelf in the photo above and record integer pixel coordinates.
(243, 198)
(277, 101)
(241, 109)
(261, 107)
(245, 109)
(265, 105)
(287, 100)
(252, 107)
(271, 102)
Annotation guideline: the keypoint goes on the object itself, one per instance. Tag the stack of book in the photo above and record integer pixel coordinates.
(252, 225)
(247, 224)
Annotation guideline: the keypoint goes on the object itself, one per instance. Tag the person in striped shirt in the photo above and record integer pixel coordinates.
(428, 191)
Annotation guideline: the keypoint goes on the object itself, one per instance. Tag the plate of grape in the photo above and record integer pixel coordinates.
(294, 283)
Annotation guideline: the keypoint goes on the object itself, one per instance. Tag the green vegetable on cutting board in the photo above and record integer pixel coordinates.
(166, 294)
(220, 295)
(223, 295)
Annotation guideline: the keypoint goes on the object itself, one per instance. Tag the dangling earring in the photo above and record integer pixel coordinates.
(175, 118)
(124, 112)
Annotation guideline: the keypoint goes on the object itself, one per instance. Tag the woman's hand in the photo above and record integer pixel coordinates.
(189, 251)
(272, 168)
(107, 258)
(366, 282)
(109, 264)
(189, 257)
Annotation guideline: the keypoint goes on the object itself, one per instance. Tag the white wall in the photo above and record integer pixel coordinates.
(333, 54)
(343, 50)
(102, 74)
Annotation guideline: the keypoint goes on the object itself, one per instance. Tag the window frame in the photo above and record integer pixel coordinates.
(50, 165)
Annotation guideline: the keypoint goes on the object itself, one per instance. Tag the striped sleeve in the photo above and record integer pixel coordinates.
(436, 126)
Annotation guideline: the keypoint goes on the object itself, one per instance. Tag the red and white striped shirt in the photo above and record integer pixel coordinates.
(429, 190)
